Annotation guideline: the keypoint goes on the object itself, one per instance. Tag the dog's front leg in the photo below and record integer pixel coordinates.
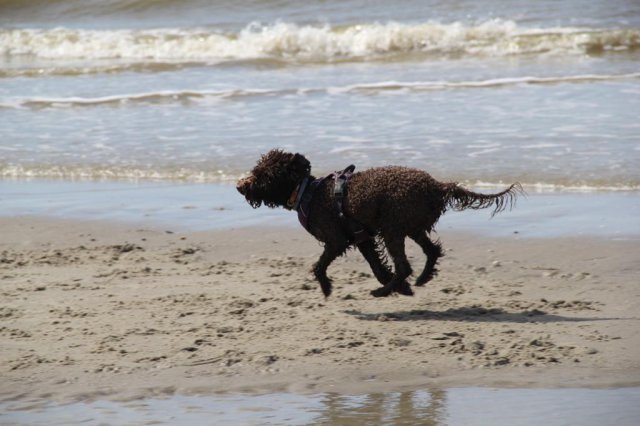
(320, 268)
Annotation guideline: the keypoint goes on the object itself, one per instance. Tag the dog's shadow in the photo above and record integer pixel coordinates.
(472, 313)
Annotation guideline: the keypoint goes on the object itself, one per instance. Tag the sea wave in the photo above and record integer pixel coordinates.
(199, 175)
(498, 82)
(545, 187)
(160, 97)
(292, 42)
(194, 96)
(71, 70)
(114, 172)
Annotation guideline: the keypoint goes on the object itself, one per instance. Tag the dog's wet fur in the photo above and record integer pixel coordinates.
(392, 203)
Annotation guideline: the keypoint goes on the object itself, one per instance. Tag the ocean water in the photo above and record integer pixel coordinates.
(434, 407)
(481, 92)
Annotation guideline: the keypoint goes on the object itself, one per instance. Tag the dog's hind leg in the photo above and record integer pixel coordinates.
(433, 251)
(330, 253)
(402, 269)
(372, 254)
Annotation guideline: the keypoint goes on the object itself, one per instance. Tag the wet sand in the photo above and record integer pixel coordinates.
(100, 310)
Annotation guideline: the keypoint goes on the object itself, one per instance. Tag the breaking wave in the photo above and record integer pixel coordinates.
(199, 175)
(292, 42)
(194, 96)
(112, 172)
(70, 70)
(160, 97)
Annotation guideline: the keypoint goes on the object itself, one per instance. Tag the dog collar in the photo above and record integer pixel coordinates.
(296, 195)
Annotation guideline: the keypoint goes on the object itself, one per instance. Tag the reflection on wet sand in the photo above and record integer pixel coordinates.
(398, 408)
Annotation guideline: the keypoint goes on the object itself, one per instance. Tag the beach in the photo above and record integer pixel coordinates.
(139, 287)
(105, 310)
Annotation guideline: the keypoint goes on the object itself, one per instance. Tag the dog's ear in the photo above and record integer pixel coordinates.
(300, 166)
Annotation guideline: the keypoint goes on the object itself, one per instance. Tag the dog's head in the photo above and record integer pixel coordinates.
(274, 178)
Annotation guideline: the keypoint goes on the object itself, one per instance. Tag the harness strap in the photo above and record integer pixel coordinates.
(340, 188)
(354, 231)
(305, 200)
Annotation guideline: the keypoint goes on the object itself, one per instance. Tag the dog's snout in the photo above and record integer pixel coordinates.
(240, 186)
(243, 185)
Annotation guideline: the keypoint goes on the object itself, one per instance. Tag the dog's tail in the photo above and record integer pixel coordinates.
(458, 198)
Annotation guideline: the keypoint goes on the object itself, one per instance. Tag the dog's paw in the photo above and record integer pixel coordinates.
(404, 288)
(326, 292)
(381, 292)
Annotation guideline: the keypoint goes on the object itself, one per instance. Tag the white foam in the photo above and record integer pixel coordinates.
(316, 43)
(172, 96)
(111, 172)
(162, 96)
(541, 145)
(489, 83)
(544, 187)
(197, 175)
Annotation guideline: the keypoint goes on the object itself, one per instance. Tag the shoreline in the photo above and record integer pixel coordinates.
(96, 309)
(192, 207)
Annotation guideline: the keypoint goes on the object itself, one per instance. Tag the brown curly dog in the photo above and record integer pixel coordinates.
(372, 210)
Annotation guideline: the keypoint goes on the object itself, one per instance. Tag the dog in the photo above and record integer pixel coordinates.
(373, 210)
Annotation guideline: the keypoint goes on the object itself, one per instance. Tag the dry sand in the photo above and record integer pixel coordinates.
(93, 309)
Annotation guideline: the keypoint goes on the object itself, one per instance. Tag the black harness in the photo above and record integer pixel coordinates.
(354, 230)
